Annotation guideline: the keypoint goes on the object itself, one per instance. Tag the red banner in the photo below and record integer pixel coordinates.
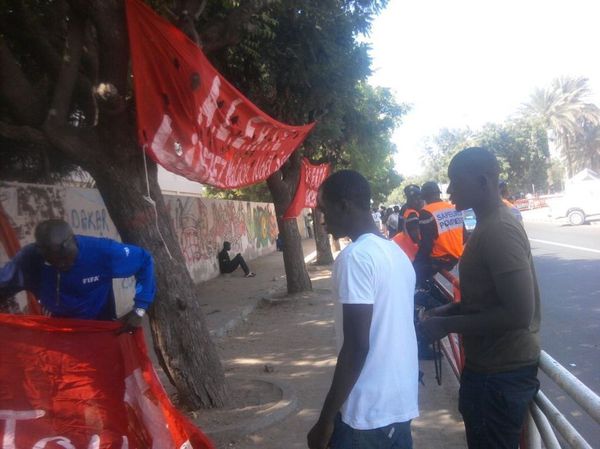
(190, 119)
(75, 384)
(311, 177)
(11, 244)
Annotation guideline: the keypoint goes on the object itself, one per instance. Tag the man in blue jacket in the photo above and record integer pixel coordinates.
(71, 275)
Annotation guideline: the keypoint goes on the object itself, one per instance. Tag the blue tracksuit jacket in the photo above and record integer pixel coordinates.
(85, 290)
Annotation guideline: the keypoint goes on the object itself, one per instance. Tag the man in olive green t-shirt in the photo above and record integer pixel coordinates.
(499, 316)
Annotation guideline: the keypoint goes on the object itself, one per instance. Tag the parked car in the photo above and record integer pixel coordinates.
(576, 209)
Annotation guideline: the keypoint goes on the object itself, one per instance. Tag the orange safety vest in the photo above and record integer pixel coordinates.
(449, 223)
(404, 241)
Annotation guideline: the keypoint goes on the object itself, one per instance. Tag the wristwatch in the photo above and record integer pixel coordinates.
(139, 311)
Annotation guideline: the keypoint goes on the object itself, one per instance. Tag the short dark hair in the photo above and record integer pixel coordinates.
(45, 228)
(430, 188)
(478, 160)
(347, 185)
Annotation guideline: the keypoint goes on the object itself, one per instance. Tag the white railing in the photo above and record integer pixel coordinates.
(547, 418)
(543, 419)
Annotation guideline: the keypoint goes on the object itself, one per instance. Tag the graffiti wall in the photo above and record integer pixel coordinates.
(28, 204)
(201, 224)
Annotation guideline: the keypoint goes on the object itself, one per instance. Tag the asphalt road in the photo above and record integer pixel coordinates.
(567, 261)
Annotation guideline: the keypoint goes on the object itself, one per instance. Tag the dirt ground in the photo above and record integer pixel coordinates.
(291, 342)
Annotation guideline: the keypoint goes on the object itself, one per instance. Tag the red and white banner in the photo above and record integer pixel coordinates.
(75, 384)
(311, 178)
(190, 119)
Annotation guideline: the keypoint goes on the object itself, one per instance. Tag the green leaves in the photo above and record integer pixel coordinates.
(563, 108)
(301, 61)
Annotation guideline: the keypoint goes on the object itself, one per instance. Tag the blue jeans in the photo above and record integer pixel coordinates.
(493, 406)
(393, 436)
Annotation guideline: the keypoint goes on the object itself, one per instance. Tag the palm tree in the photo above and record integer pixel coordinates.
(564, 109)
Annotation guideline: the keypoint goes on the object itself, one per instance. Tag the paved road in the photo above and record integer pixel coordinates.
(567, 261)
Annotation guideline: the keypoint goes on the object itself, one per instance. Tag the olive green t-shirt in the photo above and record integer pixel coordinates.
(497, 246)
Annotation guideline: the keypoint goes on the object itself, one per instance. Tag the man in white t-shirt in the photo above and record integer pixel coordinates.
(374, 392)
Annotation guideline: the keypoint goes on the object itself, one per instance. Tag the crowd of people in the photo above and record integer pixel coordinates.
(378, 279)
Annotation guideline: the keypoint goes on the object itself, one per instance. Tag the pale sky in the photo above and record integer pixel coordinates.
(469, 62)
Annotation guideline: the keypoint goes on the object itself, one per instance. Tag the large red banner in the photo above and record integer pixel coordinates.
(75, 384)
(311, 177)
(190, 119)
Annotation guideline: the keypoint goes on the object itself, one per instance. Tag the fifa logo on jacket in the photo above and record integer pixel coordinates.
(90, 279)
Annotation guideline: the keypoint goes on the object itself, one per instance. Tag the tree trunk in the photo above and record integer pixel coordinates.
(181, 339)
(336, 244)
(324, 255)
(297, 277)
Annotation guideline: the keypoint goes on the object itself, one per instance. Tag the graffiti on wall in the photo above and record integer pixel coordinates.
(203, 224)
(29, 204)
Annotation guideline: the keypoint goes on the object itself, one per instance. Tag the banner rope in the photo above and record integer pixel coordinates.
(148, 198)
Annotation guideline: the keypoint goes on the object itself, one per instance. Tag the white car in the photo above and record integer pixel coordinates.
(576, 206)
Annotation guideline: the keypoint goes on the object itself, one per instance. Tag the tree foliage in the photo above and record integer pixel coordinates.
(522, 149)
(303, 62)
(564, 108)
(520, 145)
(441, 148)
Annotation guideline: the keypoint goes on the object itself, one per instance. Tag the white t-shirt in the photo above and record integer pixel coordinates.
(376, 271)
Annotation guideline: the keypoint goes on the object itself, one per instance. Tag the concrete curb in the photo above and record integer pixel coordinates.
(283, 408)
(230, 325)
(267, 297)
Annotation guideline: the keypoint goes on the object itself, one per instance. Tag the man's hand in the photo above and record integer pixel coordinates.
(320, 435)
(433, 328)
(446, 310)
(130, 322)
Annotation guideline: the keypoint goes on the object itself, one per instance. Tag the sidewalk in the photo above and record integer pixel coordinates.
(266, 339)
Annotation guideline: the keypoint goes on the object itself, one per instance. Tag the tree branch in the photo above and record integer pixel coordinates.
(221, 34)
(186, 13)
(25, 134)
(69, 73)
(113, 47)
(16, 90)
(34, 36)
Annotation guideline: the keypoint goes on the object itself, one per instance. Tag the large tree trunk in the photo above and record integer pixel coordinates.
(280, 184)
(324, 255)
(181, 339)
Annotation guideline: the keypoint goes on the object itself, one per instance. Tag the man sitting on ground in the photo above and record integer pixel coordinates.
(227, 265)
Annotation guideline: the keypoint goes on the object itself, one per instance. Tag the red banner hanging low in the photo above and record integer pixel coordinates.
(76, 384)
(190, 119)
(311, 177)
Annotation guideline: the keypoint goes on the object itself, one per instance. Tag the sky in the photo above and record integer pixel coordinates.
(469, 62)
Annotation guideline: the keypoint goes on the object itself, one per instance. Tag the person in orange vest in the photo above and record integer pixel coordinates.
(441, 228)
(408, 238)
(503, 186)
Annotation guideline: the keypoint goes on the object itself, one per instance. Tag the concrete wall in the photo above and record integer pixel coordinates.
(201, 224)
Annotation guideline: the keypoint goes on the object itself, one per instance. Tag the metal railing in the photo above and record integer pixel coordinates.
(544, 419)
